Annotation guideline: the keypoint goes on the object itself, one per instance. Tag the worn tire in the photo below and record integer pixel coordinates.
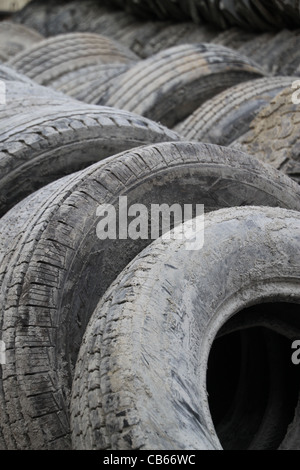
(175, 35)
(234, 37)
(228, 115)
(62, 269)
(15, 38)
(52, 138)
(257, 15)
(173, 83)
(141, 375)
(251, 47)
(274, 135)
(89, 84)
(272, 55)
(39, 15)
(54, 57)
(9, 74)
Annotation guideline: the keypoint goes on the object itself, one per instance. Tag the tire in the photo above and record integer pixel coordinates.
(15, 38)
(89, 84)
(177, 34)
(23, 95)
(90, 17)
(234, 38)
(36, 14)
(258, 15)
(8, 74)
(55, 138)
(287, 64)
(137, 34)
(77, 16)
(58, 261)
(274, 135)
(172, 84)
(227, 116)
(54, 57)
(118, 25)
(273, 54)
(141, 375)
(251, 47)
(290, 10)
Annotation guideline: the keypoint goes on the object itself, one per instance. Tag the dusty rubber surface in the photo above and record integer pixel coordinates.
(228, 115)
(274, 134)
(63, 269)
(140, 379)
(14, 38)
(54, 136)
(54, 57)
(171, 84)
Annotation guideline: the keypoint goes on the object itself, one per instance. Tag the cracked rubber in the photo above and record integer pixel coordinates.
(54, 269)
(140, 378)
(173, 83)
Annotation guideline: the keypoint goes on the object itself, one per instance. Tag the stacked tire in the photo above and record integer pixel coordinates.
(126, 342)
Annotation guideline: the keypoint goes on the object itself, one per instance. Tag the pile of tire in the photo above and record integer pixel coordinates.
(129, 343)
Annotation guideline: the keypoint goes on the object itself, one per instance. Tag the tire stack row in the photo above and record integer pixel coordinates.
(132, 343)
(250, 14)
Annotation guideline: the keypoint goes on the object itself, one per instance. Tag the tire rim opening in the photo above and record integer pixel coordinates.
(252, 383)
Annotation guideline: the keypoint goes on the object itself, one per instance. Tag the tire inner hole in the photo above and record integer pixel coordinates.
(252, 383)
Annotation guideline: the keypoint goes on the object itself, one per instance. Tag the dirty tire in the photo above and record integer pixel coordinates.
(177, 34)
(140, 378)
(234, 38)
(63, 269)
(290, 9)
(288, 64)
(15, 38)
(54, 57)
(173, 83)
(273, 57)
(228, 115)
(251, 47)
(91, 17)
(23, 95)
(53, 138)
(41, 15)
(274, 134)
(256, 15)
(9, 74)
